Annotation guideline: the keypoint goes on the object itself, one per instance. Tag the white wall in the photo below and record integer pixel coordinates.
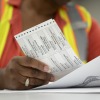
(93, 7)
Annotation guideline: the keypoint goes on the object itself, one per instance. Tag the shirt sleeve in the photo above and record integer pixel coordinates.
(94, 41)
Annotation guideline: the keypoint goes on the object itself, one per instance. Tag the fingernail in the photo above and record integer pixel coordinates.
(52, 79)
(47, 69)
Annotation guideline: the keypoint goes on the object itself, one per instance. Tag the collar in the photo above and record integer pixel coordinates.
(15, 3)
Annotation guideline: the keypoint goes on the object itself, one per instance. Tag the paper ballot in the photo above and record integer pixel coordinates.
(87, 75)
(47, 43)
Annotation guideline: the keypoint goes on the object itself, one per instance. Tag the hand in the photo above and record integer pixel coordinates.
(21, 68)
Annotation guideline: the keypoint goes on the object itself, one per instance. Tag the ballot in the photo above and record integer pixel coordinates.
(46, 42)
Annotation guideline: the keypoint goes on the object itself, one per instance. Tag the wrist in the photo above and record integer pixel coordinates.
(2, 85)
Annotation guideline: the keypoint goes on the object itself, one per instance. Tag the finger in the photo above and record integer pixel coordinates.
(32, 81)
(23, 87)
(29, 72)
(31, 62)
(20, 86)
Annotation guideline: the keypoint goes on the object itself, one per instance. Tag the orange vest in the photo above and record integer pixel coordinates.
(6, 15)
(67, 29)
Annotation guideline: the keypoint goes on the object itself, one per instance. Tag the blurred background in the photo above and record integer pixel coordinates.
(93, 6)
